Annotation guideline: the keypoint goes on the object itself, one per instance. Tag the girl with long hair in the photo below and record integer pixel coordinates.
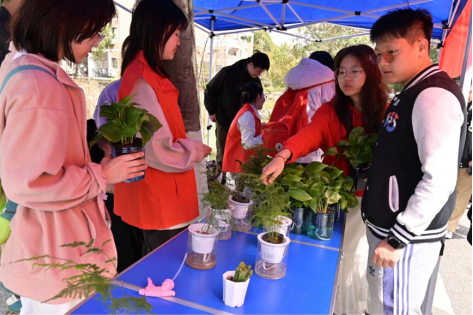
(165, 202)
(360, 100)
(46, 167)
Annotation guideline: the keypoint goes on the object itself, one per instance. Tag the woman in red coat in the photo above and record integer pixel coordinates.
(360, 100)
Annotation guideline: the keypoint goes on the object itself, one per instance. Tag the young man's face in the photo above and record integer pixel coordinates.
(254, 71)
(399, 60)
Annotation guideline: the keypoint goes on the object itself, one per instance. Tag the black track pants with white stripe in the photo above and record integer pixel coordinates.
(400, 290)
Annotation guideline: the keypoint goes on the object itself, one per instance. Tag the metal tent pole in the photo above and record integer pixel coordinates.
(212, 27)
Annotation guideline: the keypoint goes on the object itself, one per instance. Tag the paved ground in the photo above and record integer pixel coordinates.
(454, 288)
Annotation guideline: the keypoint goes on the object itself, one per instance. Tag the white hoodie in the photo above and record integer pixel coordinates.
(307, 73)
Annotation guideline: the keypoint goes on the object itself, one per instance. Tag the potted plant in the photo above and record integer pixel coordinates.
(124, 121)
(235, 285)
(218, 209)
(271, 259)
(202, 245)
(328, 190)
(358, 150)
(240, 202)
(297, 186)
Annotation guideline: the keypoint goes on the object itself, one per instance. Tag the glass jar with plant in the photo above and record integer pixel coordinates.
(235, 285)
(271, 258)
(358, 150)
(218, 210)
(328, 190)
(124, 121)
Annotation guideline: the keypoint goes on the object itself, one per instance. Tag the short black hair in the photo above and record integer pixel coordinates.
(260, 60)
(44, 26)
(249, 91)
(404, 23)
(152, 24)
(323, 57)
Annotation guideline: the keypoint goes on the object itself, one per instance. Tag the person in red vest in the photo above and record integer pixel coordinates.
(165, 202)
(360, 100)
(245, 131)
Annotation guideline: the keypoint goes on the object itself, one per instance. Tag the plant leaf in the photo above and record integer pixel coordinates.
(299, 194)
(331, 151)
(94, 140)
(315, 167)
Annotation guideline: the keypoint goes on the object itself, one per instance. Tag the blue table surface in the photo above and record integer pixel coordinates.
(306, 288)
(95, 306)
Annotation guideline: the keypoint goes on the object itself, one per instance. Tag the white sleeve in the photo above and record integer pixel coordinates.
(437, 118)
(246, 125)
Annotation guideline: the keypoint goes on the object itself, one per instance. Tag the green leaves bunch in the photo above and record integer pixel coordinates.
(318, 186)
(124, 121)
(270, 202)
(90, 278)
(242, 273)
(358, 149)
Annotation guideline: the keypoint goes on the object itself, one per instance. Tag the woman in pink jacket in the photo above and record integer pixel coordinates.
(45, 164)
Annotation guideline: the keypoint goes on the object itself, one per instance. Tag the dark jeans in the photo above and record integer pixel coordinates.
(128, 239)
(155, 238)
(221, 134)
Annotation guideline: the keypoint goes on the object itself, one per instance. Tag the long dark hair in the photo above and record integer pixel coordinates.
(152, 25)
(373, 94)
(249, 91)
(44, 26)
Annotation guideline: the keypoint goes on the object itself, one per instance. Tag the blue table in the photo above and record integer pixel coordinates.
(308, 287)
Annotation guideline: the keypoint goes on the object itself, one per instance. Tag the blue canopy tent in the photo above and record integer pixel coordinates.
(220, 17)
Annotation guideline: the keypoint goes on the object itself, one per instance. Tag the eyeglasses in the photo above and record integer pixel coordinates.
(342, 73)
(388, 56)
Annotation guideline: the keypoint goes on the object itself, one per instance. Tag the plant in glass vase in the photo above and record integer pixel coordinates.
(359, 151)
(124, 121)
(218, 209)
(268, 212)
(329, 190)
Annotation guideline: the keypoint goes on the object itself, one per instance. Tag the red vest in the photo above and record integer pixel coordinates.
(161, 200)
(234, 150)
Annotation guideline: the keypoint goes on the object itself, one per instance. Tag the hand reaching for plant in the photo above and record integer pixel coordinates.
(275, 167)
(123, 167)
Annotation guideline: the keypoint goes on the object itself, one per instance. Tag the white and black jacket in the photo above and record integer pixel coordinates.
(411, 188)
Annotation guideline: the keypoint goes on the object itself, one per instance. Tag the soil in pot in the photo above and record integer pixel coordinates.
(277, 239)
(122, 149)
(240, 198)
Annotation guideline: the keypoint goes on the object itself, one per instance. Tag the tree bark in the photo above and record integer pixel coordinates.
(183, 72)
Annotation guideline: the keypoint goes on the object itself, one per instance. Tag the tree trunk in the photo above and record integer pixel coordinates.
(183, 72)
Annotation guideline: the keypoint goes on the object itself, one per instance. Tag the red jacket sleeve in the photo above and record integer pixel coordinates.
(314, 136)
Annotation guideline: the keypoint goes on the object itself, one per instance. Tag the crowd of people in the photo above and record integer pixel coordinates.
(61, 192)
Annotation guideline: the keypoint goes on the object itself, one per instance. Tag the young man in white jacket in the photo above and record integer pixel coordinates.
(315, 70)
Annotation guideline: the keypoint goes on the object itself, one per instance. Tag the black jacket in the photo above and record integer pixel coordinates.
(4, 33)
(405, 175)
(466, 157)
(222, 95)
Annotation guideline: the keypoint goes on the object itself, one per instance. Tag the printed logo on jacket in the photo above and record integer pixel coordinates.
(390, 121)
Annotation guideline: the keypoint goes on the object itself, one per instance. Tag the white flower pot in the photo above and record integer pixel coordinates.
(284, 228)
(239, 210)
(273, 253)
(202, 243)
(234, 292)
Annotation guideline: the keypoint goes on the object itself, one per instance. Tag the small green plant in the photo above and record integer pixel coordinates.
(358, 149)
(124, 121)
(242, 273)
(271, 202)
(318, 186)
(216, 199)
(91, 278)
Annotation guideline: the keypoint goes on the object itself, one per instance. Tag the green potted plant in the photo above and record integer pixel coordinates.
(297, 186)
(218, 210)
(124, 121)
(202, 246)
(235, 285)
(358, 150)
(271, 258)
(329, 190)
